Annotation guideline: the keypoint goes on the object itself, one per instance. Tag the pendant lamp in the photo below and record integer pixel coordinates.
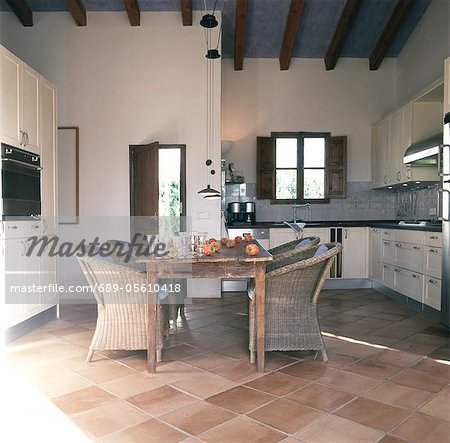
(209, 22)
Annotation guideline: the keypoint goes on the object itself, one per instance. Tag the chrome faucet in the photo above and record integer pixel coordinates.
(298, 206)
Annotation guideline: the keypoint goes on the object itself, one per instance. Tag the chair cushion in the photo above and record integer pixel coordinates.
(321, 250)
(303, 243)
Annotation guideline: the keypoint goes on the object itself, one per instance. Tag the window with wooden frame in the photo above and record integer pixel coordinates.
(301, 167)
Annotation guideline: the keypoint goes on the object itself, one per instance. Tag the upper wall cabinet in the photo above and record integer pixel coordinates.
(391, 136)
(19, 104)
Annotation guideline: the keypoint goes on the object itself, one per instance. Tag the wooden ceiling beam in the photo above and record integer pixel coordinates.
(22, 10)
(78, 12)
(345, 24)
(239, 34)
(186, 12)
(390, 31)
(290, 32)
(134, 14)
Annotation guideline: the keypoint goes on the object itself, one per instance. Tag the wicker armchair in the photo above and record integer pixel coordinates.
(292, 291)
(122, 318)
(291, 252)
(176, 300)
(292, 246)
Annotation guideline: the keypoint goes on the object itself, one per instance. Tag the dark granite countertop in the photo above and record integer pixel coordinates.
(387, 224)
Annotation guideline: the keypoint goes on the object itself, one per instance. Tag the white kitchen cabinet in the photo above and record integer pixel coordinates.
(19, 103)
(400, 128)
(354, 251)
(393, 134)
(30, 109)
(380, 153)
(376, 254)
(49, 163)
(412, 264)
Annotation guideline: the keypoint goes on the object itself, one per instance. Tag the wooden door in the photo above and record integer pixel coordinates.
(144, 190)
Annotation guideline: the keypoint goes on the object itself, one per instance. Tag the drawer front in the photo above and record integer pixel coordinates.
(433, 261)
(433, 293)
(409, 283)
(416, 237)
(433, 239)
(388, 251)
(409, 256)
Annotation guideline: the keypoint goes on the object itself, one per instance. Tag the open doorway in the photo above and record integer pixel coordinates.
(157, 184)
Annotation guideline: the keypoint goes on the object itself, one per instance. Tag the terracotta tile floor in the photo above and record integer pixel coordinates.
(387, 379)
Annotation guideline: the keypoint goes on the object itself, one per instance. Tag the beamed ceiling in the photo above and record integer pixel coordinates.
(328, 29)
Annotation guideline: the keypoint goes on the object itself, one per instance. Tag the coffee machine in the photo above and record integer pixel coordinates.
(241, 213)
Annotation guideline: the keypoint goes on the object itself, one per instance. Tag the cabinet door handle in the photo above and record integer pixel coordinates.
(385, 179)
(13, 227)
(433, 237)
(345, 233)
(415, 275)
(399, 176)
(432, 250)
(386, 233)
(399, 245)
(385, 266)
(434, 282)
(27, 139)
(385, 242)
(21, 137)
(416, 247)
(397, 270)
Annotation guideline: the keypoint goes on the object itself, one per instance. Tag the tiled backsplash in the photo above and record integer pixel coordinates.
(362, 203)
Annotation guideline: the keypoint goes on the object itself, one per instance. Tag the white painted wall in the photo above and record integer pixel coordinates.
(345, 101)
(421, 60)
(125, 85)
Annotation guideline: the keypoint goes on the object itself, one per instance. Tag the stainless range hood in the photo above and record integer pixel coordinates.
(423, 153)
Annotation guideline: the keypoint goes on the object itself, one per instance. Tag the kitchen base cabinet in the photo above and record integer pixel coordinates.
(354, 247)
(412, 264)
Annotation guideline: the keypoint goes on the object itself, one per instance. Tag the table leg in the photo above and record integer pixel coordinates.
(152, 317)
(260, 300)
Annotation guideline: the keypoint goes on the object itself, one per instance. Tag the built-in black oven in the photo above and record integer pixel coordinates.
(21, 183)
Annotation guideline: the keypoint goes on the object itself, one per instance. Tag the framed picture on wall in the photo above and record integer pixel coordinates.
(68, 180)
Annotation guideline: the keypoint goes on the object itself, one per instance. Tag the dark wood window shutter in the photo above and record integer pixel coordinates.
(336, 167)
(265, 168)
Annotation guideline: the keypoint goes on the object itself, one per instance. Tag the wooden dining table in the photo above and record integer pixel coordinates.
(227, 263)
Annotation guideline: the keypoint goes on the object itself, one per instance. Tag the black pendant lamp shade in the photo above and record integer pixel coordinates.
(212, 53)
(209, 21)
(208, 191)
